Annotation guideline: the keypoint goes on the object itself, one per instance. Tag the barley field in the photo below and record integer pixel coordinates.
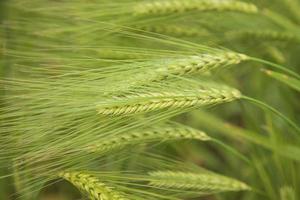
(150, 100)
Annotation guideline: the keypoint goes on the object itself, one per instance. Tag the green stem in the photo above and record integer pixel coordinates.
(273, 110)
(231, 150)
(276, 66)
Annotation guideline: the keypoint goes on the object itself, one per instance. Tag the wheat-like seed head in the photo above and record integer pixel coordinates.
(164, 133)
(264, 34)
(147, 102)
(178, 6)
(173, 30)
(203, 63)
(195, 181)
(89, 184)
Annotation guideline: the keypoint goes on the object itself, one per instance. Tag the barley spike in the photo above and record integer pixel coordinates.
(90, 185)
(264, 34)
(167, 132)
(206, 182)
(173, 30)
(148, 102)
(202, 63)
(177, 6)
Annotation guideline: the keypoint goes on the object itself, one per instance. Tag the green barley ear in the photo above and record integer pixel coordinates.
(264, 35)
(91, 186)
(177, 6)
(202, 63)
(199, 182)
(174, 30)
(171, 131)
(183, 98)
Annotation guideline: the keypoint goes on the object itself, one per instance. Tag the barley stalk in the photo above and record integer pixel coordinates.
(195, 181)
(89, 184)
(147, 102)
(178, 6)
(165, 133)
